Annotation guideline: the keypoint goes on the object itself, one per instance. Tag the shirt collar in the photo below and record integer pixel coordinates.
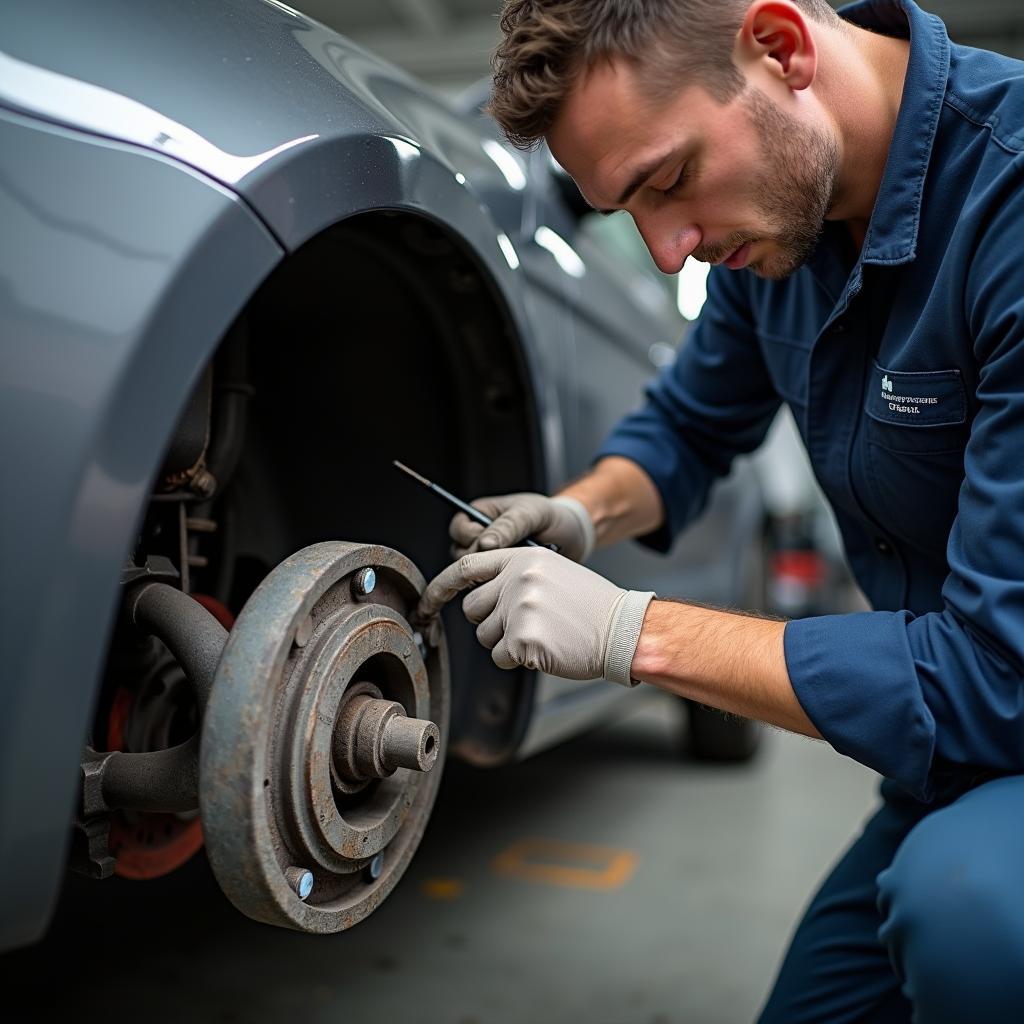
(892, 231)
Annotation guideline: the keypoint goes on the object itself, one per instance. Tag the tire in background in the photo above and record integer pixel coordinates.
(713, 735)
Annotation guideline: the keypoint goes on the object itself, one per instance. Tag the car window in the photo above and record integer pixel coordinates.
(619, 239)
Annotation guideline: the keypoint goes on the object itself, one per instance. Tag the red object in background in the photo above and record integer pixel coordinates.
(796, 582)
(148, 845)
(808, 567)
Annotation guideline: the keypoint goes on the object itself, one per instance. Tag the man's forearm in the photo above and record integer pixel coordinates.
(729, 661)
(621, 499)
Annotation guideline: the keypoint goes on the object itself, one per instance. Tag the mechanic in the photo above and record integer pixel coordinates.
(862, 181)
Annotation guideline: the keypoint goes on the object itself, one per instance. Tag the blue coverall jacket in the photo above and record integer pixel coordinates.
(904, 369)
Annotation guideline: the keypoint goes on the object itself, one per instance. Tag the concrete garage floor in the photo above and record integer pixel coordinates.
(606, 881)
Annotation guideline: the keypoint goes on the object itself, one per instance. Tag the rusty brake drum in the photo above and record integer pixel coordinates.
(323, 740)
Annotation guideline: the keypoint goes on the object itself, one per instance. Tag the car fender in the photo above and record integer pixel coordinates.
(119, 272)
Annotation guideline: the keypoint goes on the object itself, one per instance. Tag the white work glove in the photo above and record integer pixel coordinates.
(561, 521)
(541, 611)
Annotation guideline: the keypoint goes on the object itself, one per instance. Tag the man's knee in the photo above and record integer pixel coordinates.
(935, 887)
(953, 908)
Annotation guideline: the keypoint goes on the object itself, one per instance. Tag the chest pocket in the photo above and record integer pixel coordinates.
(916, 429)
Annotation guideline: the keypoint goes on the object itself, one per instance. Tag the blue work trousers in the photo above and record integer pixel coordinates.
(922, 920)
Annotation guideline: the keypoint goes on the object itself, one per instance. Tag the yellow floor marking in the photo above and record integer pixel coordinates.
(574, 865)
(442, 888)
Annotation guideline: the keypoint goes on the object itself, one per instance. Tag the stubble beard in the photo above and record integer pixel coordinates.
(794, 195)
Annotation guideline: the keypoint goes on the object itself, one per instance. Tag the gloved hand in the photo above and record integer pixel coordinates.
(562, 521)
(539, 610)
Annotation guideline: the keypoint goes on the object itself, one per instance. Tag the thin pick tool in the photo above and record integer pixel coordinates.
(464, 506)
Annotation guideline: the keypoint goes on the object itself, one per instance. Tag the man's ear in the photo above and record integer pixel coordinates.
(775, 36)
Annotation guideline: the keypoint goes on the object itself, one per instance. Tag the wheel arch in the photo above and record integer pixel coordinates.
(383, 337)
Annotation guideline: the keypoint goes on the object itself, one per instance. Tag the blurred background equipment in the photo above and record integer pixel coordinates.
(448, 43)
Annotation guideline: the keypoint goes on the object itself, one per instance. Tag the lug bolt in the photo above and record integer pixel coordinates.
(363, 582)
(375, 868)
(203, 484)
(301, 880)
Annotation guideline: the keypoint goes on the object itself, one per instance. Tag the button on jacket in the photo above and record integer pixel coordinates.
(904, 369)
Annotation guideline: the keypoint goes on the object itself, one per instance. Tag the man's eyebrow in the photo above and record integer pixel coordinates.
(639, 179)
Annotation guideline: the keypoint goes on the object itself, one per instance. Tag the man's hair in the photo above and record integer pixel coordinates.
(547, 44)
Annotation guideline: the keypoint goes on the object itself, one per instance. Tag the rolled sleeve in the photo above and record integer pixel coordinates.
(908, 695)
(856, 679)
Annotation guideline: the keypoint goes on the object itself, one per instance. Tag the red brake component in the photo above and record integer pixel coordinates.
(150, 844)
(219, 611)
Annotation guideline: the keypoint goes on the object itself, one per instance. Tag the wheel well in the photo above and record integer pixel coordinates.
(380, 339)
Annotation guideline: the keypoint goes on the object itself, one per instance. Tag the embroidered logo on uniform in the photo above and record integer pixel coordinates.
(908, 405)
(917, 398)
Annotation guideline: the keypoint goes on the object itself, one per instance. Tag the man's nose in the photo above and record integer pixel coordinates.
(668, 241)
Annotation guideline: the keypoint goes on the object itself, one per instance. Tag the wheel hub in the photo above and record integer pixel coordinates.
(373, 738)
(320, 740)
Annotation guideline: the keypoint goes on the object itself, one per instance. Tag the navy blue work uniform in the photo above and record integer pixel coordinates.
(903, 366)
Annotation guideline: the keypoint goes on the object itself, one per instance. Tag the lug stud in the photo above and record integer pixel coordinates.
(301, 880)
(375, 868)
(363, 582)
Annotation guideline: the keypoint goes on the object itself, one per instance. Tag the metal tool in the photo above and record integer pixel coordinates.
(473, 513)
